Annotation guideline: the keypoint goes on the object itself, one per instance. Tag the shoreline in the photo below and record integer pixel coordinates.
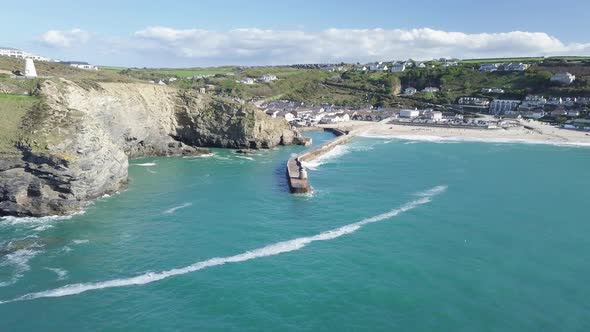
(536, 133)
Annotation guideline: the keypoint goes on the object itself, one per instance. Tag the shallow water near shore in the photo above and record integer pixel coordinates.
(396, 236)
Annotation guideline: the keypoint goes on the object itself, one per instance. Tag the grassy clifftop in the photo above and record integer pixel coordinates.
(13, 109)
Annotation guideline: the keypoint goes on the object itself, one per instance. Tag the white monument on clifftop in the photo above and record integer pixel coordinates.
(30, 70)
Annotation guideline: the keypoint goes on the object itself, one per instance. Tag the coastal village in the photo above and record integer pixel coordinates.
(492, 108)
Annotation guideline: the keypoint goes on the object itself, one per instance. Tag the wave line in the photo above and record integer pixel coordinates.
(269, 250)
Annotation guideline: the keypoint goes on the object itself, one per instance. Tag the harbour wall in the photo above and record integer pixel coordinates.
(296, 174)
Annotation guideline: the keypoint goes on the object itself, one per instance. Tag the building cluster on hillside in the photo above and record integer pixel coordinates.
(410, 91)
(401, 66)
(79, 64)
(437, 118)
(304, 115)
(262, 79)
(537, 107)
(502, 66)
(20, 54)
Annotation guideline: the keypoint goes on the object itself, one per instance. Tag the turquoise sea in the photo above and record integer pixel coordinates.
(398, 236)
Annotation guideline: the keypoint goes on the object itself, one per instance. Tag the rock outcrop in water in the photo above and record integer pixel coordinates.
(75, 145)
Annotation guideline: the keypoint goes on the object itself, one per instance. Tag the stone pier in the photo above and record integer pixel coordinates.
(296, 174)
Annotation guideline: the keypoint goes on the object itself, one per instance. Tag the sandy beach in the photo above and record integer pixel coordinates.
(540, 134)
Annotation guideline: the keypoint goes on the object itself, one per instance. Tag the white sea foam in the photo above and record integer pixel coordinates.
(244, 157)
(13, 221)
(176, 208)
(453, 139)
(83, 241)
(270, 250)
(36, 224)
(330, 156)
(19, 262)
(206, 155)
(61, 273)
(145, 164)
(42, 228)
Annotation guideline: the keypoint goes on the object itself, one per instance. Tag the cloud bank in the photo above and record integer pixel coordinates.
(261, 47)
(64, 38)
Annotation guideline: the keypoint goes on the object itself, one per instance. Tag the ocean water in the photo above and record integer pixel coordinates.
(398, 236)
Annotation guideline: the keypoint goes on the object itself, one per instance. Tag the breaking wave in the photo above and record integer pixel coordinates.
(18, 261)
(145, 164)
(270, 250)
(337, 152)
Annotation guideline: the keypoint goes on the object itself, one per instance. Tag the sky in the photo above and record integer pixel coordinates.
(179, 33)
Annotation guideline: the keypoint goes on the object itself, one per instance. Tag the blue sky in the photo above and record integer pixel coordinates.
(199, 33)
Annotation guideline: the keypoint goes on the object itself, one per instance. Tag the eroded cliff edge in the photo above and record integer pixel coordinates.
(75, 144)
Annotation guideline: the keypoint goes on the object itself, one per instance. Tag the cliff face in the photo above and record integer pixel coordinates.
(220, 123)
(76, 144)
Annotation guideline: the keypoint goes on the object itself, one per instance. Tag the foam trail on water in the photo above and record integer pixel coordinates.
(176, 208)
(270, 250)
(61, 273)
(145, 164)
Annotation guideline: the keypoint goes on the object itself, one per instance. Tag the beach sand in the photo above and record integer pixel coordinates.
(540, 134)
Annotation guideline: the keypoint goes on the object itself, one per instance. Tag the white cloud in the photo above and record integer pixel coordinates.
(166, 46)
(246, 46)
(64, 38)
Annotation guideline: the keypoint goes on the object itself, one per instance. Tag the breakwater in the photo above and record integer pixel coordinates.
(296, 173)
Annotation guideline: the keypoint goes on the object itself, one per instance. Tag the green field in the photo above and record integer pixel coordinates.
(493, 60)
(163, 73)
(12, 110)
(111, 68)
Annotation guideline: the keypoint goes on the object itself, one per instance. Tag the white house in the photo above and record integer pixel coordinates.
(492, 90)
(289, 116)
(12, 52)
(501, 106)
(161, 82)
(573, 113)
(532, 101)
(563, 78)
(398, 67)
(535, 114)
(410, 91)
(554, 101)
(434, 115)
(474, 101)
(407, 113)
(431, 89)
(267, 78)
(515, 67)
(489, 67)
(80, 64)
(334, 118)
(16, 53)
(247, 80)
(450, 64)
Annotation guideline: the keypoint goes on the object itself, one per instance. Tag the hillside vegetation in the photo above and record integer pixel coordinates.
(13, 109)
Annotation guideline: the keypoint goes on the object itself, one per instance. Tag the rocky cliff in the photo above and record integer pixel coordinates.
(76, 143)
